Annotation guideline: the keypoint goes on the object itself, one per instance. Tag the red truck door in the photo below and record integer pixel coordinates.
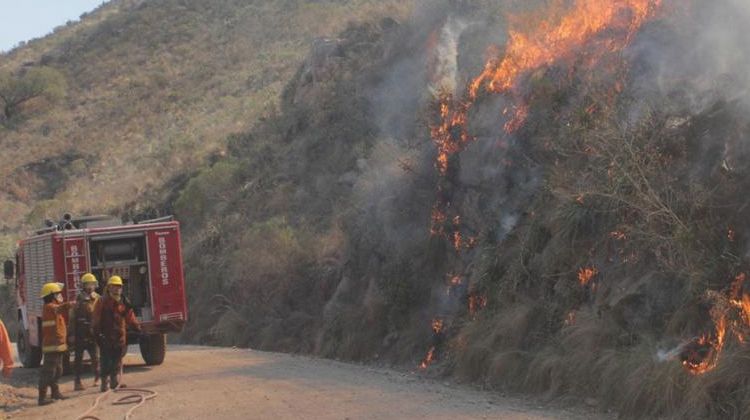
(165, 266)
(76, 264)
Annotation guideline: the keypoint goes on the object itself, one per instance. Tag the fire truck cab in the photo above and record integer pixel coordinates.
(147, 255)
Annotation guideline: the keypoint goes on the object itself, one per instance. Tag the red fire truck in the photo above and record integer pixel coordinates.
(146, 255)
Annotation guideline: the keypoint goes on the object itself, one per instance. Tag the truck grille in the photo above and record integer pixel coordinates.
(39, 268)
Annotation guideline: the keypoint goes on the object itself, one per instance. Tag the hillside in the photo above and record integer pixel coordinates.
(540, 197)
(561, 213)
(153, 90)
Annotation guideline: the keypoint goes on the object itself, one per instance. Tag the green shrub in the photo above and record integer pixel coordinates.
(208, 191)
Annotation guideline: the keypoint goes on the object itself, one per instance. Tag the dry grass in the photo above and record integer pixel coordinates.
(585, 361)
(304, 238)
(154, 90)
(642, 203)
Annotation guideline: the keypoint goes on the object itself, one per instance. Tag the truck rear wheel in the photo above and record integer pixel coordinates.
(153, 348)
(31, 356)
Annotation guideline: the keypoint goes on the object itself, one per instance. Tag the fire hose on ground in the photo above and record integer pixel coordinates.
(137, 396)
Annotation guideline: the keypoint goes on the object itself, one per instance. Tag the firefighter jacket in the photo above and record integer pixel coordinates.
(83, 330)
(6, 354)
(110, 321)
(54, 331)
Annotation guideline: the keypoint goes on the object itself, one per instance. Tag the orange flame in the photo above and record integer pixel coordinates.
(713, 345)
(746, 309)
(537, 40)
(438, 325)
(541, 39)
(476, 303)
(706, 351)
(517, 121)
(429, 358)
(620, 236)
(437, 221)
(451, 135)
(459, 242)
(586, 274)
(630, 258)
(455, 280)
(570, 318)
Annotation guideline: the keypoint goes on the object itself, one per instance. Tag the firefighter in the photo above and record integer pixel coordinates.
(54, 347)
(112, 316)
(6, 354)
(83, 333)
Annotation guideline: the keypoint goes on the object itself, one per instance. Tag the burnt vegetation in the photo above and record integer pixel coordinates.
(608, 229)
(581, 235)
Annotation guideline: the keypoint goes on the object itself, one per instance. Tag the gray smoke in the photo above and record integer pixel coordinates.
(445, 79)
(667, 355)
(697, 55)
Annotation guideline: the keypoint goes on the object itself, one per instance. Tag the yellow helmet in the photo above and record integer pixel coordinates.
(51, 288)
(114, 281)
(88, 278)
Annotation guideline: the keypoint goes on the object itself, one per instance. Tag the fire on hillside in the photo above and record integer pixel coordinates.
(563, 31)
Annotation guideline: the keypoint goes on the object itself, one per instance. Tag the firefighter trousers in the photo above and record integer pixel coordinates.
(111, 364)
(93, 350)
(52, 369)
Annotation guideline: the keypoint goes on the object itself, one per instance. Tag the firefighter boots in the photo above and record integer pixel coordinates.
(43, 396)
(79, 385)
(114, 382)
(56, 395)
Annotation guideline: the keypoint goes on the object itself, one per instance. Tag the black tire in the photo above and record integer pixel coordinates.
(31, 356)
(153, 348)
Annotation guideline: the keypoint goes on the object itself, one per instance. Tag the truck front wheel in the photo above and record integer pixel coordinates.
(153, 348)
(31, 356)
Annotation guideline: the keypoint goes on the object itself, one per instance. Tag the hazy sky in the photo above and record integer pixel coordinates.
(22, 20)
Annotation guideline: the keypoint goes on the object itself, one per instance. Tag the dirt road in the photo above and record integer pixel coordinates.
(209, 383)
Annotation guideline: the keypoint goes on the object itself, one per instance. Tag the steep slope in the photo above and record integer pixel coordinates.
(544, 197)
(572, 223)
(154, 89)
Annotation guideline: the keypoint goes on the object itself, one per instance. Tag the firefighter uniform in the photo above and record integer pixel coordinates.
(83, 334)
(54, 346)
(112, 315)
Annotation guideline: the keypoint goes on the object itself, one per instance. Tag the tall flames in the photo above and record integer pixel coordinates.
(538, 40)
(589, 27)
(583, 29)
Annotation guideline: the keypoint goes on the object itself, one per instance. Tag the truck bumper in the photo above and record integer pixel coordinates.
(152, 328)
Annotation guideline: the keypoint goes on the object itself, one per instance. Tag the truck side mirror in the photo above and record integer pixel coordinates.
(9, 269)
